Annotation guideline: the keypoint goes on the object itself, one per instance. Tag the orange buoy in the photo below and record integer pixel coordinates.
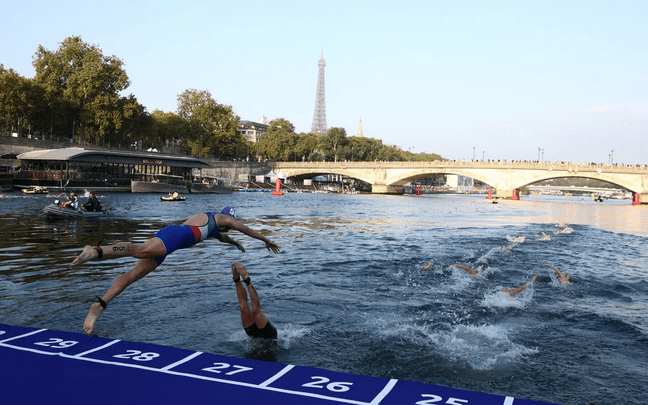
(636, 200)
(277, 190)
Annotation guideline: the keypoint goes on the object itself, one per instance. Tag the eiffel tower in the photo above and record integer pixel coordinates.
(319, 116)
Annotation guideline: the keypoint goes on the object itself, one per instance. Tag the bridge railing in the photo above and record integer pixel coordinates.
(529, 165)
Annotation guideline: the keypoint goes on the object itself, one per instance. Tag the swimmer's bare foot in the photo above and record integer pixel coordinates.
(89, 253)
(95, 311)
(241, 270)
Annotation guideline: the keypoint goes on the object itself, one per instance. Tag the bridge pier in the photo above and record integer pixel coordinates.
(509, 194)
(384, 189)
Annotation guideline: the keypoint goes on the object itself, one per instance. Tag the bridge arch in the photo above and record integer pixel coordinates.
(505, 177)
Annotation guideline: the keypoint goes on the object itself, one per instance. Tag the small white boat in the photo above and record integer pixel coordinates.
(58, 211)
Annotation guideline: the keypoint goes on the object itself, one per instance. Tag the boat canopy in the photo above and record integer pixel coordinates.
(102, 156)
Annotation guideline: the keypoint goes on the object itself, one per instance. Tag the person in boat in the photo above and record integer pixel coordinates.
(93, 203)
(255, 322)
(72, 201)
(152, 252)
(174, 195)
(564, 278)
(521, 288)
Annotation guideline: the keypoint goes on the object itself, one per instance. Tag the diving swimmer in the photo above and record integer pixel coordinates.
(254, 321)
(152, 252)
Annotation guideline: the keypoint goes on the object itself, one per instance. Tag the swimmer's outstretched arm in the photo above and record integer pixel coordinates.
(226, 239)
(521, 288)
(234, 224)
(563, 277)
(468, 269)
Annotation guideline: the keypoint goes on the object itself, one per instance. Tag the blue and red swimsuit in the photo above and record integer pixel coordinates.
(176, 237)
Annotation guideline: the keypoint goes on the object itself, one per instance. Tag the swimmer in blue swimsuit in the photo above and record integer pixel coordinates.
(166, 241)
(255, 322)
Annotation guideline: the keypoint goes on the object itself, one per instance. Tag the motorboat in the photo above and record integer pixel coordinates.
(57, 210)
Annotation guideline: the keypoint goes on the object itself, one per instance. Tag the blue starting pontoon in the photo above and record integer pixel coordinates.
(43, 366)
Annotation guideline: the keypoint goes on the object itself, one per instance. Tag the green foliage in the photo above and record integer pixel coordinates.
(279, 143)
(308, 147)
(213, 127)
(333, 144)
(20, 101)
(83, 82)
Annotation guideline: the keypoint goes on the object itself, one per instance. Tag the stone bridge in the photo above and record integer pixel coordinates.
(505, 177)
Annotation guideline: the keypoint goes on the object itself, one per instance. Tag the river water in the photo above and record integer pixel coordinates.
(347, 292)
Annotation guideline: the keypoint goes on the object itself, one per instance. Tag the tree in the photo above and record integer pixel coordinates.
(309, 147)
(20, 101)
(170, 130)
(213, 127)
(83, 84)
(333, 142)
(279, 142)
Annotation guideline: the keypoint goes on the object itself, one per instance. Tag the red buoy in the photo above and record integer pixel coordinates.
(418, 190)
(636, 200)
(277, 190)
(515, 196)
(490, 194)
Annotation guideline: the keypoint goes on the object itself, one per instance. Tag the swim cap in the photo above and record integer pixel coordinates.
(229, 211)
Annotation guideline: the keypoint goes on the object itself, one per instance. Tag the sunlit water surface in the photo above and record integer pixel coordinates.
(347, 292)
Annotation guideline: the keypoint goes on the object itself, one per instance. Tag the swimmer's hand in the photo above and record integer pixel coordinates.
(238, 245)
(273, 247)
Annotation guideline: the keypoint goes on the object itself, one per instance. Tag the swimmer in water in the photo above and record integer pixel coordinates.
(472, 272)
(255, 322)
(427, 266)
(545, 236)
(153, 252)
(521, 288)
(564, 278)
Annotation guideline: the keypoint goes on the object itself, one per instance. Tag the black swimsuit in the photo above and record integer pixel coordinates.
(268, 331)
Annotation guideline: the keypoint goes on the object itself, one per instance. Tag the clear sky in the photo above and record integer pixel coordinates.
(497, 79)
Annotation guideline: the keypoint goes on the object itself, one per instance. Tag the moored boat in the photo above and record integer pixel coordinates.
(211, 185)
(158, 183)
(58, 211)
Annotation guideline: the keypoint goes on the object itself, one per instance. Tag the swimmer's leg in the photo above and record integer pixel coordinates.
(142, 268)
(151, 248)
(246, 313)
(260, 319)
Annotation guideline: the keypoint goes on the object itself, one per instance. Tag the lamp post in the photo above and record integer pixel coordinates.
(473, 153)
(612, 157)
(483, 154)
